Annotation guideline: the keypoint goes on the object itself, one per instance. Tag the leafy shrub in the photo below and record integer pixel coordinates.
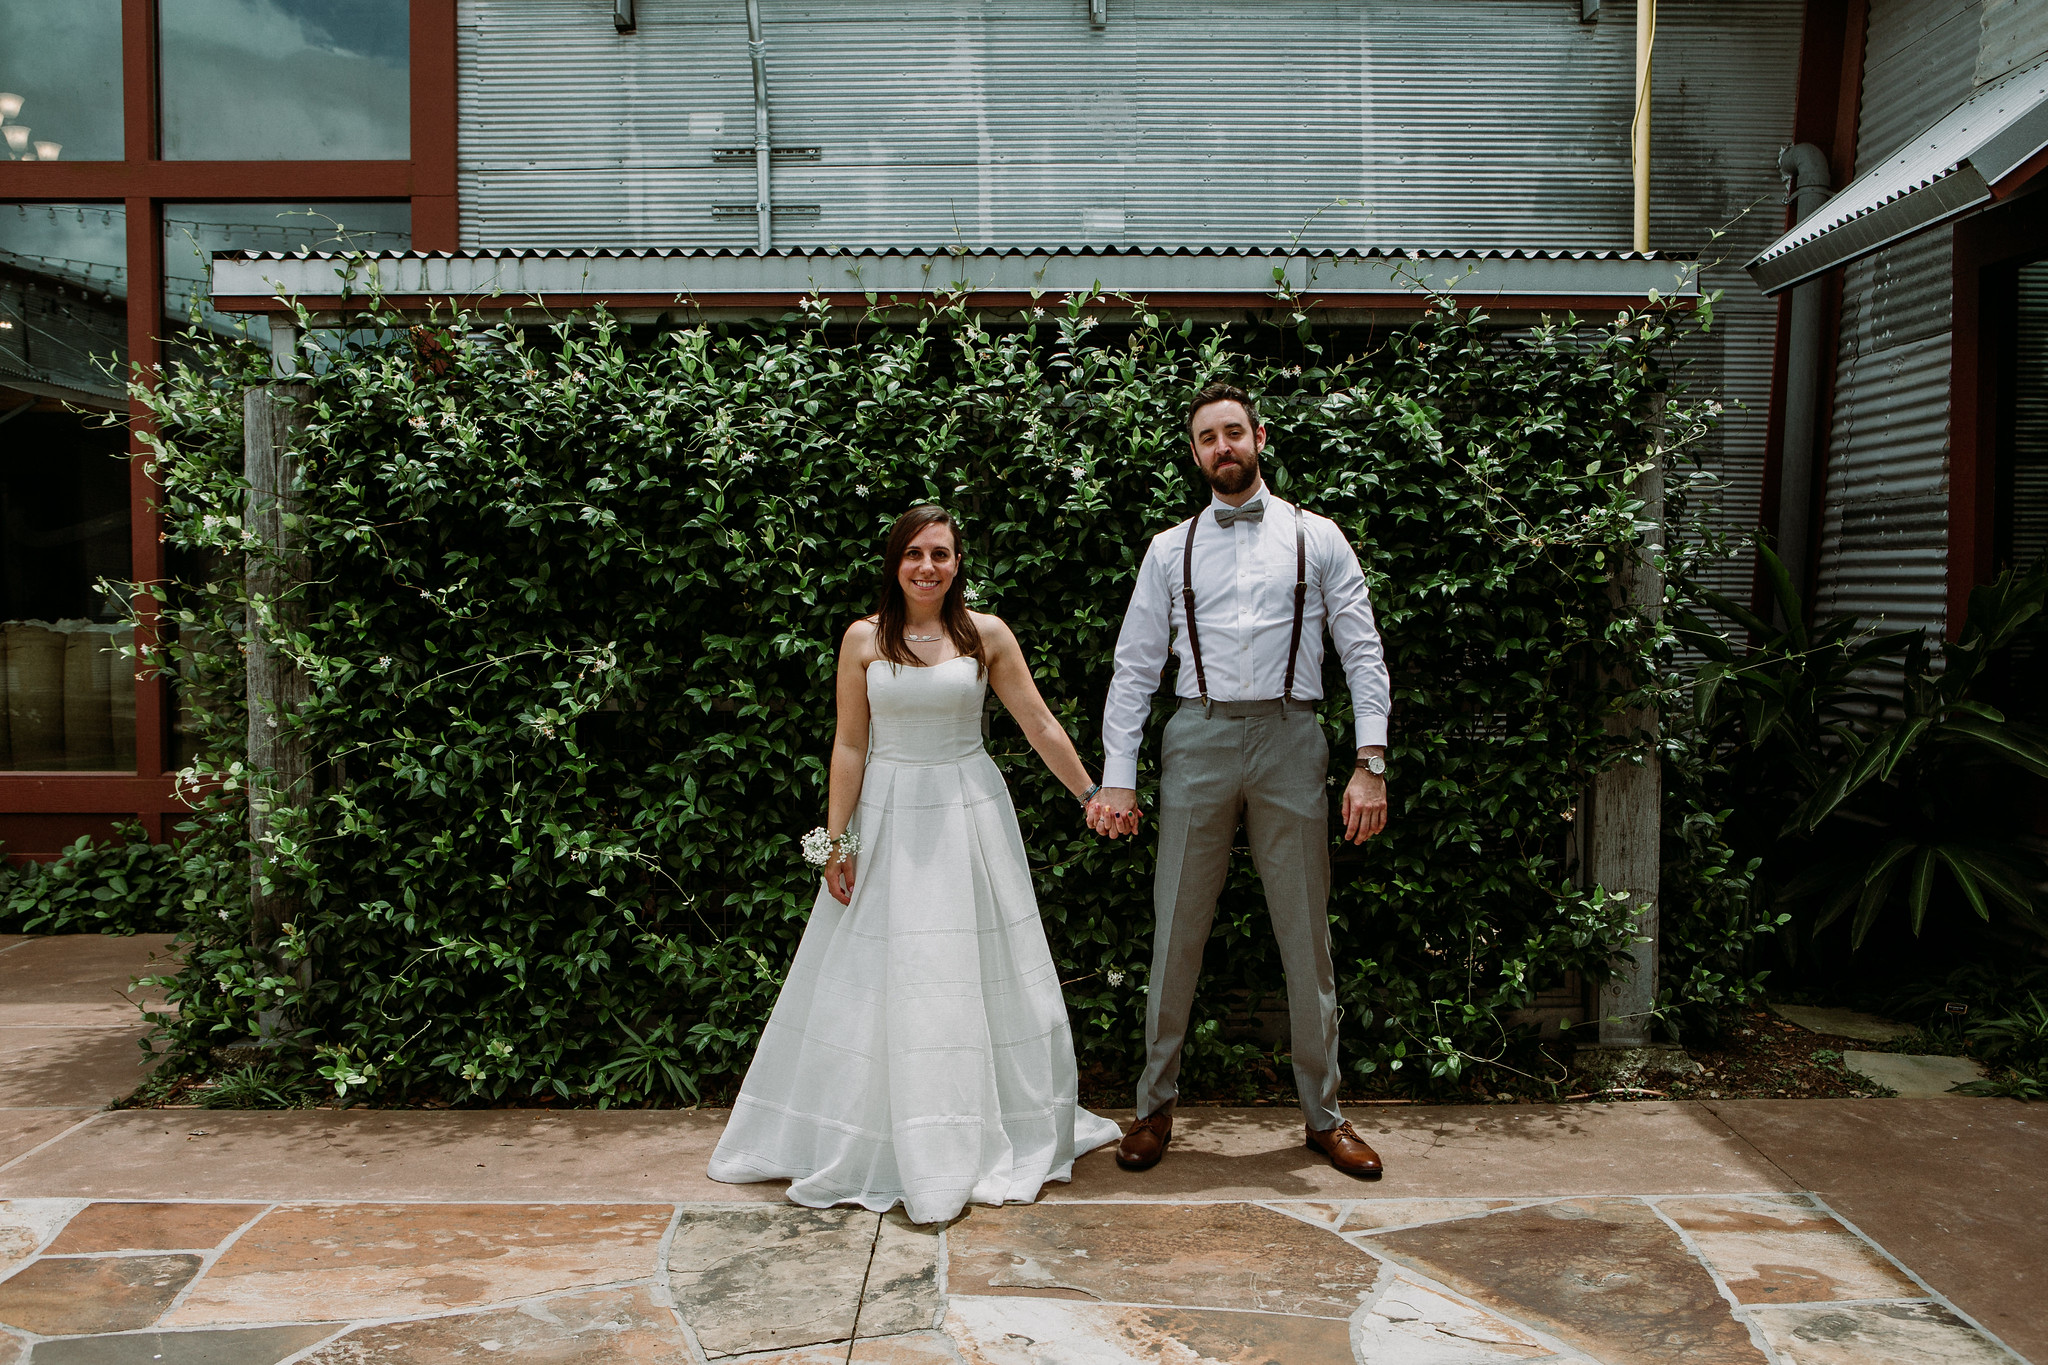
(571, 610)
(125, 885)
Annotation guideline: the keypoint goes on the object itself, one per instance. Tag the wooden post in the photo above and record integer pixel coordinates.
(272, 414)
(1627, 800)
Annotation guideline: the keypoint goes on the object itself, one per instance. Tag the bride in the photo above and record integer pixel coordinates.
(919, 1053)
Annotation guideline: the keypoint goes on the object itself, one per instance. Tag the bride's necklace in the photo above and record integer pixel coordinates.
(924, 639)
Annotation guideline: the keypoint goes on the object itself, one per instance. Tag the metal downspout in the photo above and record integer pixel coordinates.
(1805, 168)
(757, 50)
(1639, 130)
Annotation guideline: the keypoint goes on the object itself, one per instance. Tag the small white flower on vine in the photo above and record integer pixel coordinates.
(972, 594)
(578, 376)
(1038, 312)
(417, 423)
(1113, 977)
(529, 374)
(860, 490)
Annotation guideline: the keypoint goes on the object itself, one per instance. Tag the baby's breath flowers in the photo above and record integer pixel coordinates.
(821, 848)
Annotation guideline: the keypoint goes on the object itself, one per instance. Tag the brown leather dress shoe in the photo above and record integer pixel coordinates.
(1146, 1142)
(1346, 1149)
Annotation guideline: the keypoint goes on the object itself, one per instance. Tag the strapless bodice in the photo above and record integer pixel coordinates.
(925, 715)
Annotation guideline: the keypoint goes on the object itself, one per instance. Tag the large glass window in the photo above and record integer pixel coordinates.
(67, 697)
(284, 80)
(193, 232)
(60, 80)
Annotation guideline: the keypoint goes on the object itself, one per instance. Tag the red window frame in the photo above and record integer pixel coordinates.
(42, 811)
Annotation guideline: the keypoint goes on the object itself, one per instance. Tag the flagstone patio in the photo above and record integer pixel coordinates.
(1715, 1280)
(1788, 1232)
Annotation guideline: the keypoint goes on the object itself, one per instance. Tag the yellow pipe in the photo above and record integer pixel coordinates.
(1639, 151)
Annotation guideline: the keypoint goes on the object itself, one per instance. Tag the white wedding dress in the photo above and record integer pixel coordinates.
(919, 1053)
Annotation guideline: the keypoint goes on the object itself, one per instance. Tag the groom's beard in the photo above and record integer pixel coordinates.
(1232, 479)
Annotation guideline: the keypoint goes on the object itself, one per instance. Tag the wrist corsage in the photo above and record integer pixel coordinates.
(821, 848)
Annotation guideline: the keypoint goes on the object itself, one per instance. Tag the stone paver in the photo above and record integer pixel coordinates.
(151, 1227)
(68, 1066)
(1237, 1256)
(598, 1327)
(1913, 1076)
(1785, 1251)
(1606, 1276)
(27, 1225)
(1408, 1321)
(1876, 1334)
(776, 1277)
(55, 1297)
(331, 1261)
(24, 1130)
(1029, 1331)
(1841, 1023)
(80, 979)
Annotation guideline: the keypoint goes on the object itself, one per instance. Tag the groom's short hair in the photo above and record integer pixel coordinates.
(1222, 393)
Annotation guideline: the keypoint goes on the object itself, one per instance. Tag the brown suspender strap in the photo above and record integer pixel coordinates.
(1187, 601)
(1300, 598)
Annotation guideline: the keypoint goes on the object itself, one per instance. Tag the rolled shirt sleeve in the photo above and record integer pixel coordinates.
(1141, 650)
(1348, 608)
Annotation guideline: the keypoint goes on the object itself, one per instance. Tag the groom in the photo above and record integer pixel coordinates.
(1242, 594)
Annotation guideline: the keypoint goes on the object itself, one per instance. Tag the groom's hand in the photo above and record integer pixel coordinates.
(1365, 806)
(1113, 811)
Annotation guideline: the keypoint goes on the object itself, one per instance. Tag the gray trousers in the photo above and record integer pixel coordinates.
(1268, 770)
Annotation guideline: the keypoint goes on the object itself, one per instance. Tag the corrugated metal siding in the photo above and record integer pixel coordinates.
(2015, 32)
(1015, 122)
(1725, 85)
(1884, 526)
(2027, 539)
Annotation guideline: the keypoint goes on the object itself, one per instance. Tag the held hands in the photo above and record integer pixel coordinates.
(1113, 812)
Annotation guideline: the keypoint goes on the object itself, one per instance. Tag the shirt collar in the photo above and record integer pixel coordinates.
(1264, 495)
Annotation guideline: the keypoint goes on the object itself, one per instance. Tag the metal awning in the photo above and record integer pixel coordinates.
(1984, 149)
(745, 279)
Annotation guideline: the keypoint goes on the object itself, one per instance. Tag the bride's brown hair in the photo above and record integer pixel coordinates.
(893, 612)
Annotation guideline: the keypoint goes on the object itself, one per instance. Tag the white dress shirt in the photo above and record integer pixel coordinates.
(1244, 611)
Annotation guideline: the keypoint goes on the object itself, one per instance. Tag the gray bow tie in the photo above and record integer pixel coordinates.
(1251, 511)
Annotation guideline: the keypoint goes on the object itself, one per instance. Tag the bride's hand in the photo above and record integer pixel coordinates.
(839, 879)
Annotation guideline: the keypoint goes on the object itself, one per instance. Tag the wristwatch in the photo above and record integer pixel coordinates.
(1374, 764)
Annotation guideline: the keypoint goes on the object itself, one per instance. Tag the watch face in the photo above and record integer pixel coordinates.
(1376, 765)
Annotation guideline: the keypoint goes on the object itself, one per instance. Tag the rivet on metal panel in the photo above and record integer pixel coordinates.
(1098, 13)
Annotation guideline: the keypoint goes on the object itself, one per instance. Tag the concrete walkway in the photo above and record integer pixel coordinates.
(1789, 1231)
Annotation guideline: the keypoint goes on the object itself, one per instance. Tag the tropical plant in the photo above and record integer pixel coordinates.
(1868, 764)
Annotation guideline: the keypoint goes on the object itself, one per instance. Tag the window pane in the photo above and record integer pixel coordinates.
(63, 62)
(285, 80)
(66, 701)
(193, 232)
